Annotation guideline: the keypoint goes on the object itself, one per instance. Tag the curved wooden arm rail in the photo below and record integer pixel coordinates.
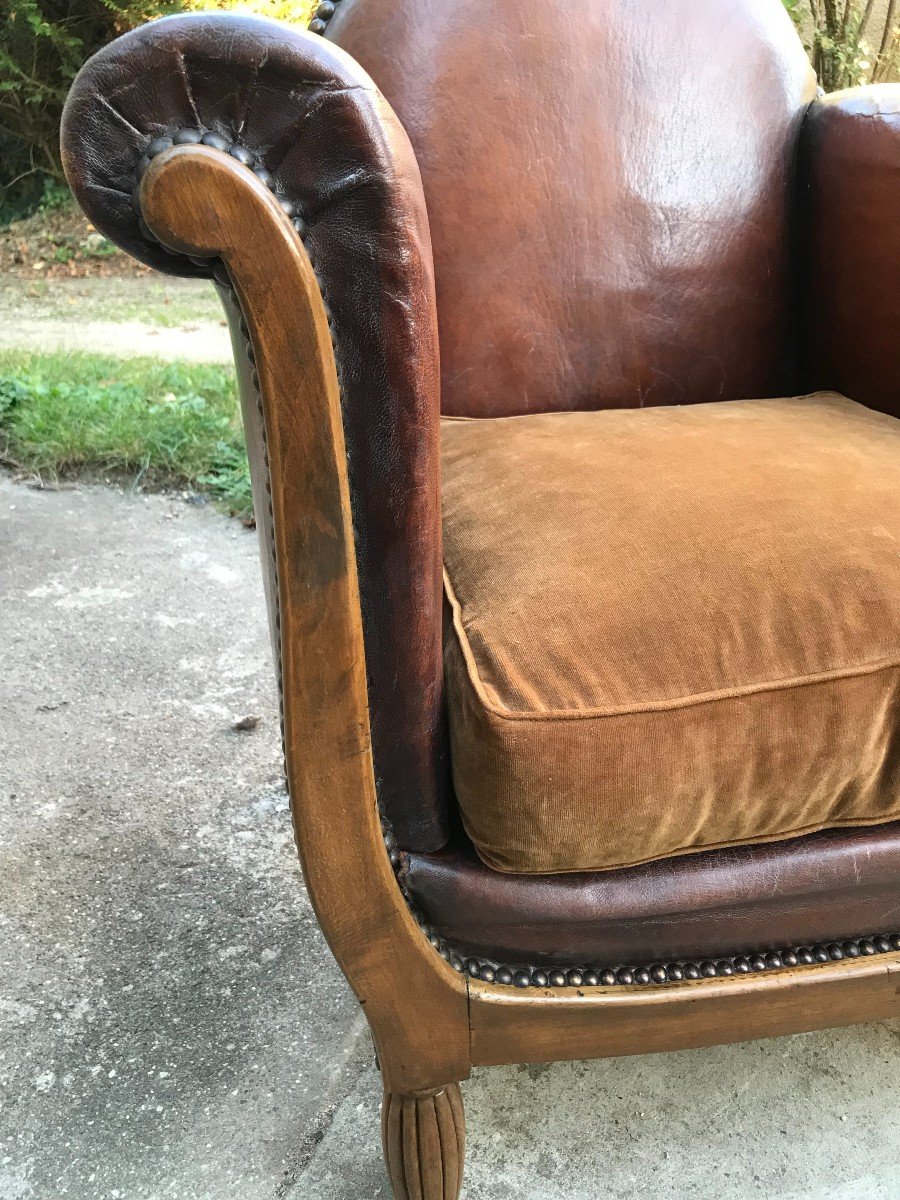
(199, 201)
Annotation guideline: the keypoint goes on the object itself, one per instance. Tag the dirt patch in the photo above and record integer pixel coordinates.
(152, 298)
(198, 342)
(152, 316)
(63, 286)
(61, 244)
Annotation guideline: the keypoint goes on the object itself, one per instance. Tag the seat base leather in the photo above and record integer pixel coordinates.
(824, 887)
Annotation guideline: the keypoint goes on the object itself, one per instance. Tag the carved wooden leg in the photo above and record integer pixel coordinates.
(424, 1138)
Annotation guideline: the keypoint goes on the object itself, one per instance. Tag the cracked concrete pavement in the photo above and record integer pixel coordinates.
(171, 1022)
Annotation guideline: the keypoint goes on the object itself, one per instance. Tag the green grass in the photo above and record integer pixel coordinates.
(162, 424)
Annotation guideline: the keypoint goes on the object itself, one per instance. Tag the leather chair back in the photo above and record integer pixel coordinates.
(609, 186)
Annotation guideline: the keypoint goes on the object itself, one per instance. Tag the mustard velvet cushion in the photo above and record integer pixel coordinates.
(673, 629)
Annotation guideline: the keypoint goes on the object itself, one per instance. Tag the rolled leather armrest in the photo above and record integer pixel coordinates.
(303, 116)
(850, 173)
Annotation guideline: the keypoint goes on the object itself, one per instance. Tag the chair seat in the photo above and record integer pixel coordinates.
(821, 889)
(673, 629)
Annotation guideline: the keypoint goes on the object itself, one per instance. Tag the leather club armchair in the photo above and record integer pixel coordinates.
(569, 362)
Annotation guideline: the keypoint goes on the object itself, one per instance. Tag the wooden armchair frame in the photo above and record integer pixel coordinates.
(430, 1022)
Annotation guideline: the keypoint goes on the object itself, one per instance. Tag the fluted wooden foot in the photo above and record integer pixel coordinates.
(424, 1138)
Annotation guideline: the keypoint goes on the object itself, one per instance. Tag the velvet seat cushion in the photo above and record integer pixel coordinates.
(673, 629)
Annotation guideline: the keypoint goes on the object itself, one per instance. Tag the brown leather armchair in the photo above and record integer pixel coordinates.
(583, 588)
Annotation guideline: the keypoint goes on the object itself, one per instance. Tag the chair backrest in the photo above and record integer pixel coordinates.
(609, 186)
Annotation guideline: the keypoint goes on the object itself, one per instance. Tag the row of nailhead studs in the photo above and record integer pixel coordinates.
(198, 137)
(656, 973)
(491, 972)
(322, 16)
(661, 973)
(254, 376)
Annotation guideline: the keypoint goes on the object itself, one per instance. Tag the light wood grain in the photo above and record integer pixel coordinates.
(567, 1023)
(424, 1142)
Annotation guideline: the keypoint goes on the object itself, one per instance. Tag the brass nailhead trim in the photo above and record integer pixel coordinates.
(201, 137)
(322, 16)
(649, 974)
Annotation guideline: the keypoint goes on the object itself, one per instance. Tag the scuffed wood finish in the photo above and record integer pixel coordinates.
(546, 1026)
(201, 202)
(424, 1139)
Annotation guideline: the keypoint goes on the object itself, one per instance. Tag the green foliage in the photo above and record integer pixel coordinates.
(294, 12)
(27, 190)
(12, 393)
(228, 479)
(43, 44)
(848, 42)
(167, 423)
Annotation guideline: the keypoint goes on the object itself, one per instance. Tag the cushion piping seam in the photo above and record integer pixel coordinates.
(568, 412)
(768, 839)
(680, 702)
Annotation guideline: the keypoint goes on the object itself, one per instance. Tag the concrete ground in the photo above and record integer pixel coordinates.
(172, 1023)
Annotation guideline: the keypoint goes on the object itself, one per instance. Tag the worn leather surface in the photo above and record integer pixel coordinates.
(608, 185)
(851, 191)
(819, 888)
(335, 150)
